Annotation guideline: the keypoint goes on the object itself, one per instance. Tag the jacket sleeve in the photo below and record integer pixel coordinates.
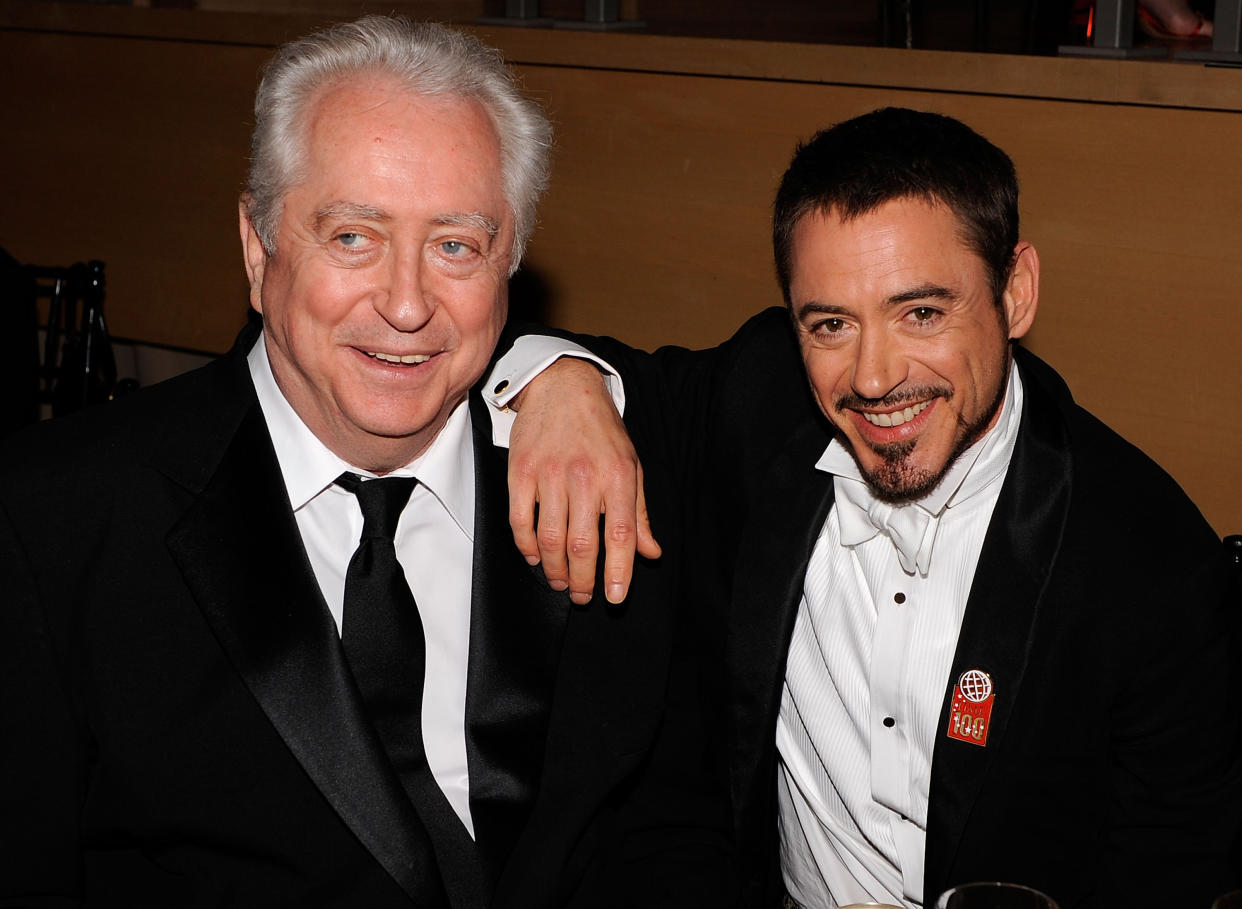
(733, 404)
(704, 423)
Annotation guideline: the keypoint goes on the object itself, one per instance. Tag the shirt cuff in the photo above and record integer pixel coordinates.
(529, 356)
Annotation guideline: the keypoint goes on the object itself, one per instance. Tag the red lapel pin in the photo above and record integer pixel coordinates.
(972, 707)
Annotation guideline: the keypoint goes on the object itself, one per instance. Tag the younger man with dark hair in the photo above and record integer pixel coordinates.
(965, 631)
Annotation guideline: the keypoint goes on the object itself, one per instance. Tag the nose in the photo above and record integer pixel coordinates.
(880, 365)
(405, 301)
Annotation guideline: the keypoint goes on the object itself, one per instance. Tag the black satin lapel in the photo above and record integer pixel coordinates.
(1016, 561)
(240, 552)
(785, 519)
(517, 626)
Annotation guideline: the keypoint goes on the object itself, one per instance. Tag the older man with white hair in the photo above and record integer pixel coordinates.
(266, 638)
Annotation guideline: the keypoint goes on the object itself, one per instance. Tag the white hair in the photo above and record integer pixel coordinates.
(432, 60)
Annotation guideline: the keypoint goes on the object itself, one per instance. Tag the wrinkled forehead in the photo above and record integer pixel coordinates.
(381, 101)
(386, 147)
(380, 109)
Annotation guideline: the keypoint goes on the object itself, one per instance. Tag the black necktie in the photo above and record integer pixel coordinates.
(380, 629)
(382, 635)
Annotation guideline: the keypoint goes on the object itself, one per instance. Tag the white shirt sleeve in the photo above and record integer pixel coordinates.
(529, 356)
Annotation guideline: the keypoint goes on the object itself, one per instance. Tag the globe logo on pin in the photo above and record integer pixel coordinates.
(975, 685)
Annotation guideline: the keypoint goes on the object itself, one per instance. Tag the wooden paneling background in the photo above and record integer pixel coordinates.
(126, 133)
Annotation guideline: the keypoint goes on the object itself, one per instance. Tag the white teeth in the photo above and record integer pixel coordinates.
(897, 417)
(393, 358)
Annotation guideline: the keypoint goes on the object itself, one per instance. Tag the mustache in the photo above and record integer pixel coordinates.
(894, 399)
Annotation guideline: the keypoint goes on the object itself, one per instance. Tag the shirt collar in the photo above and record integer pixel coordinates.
(977, 468)
(445, 468)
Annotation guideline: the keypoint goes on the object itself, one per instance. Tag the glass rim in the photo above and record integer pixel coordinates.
(942, 900)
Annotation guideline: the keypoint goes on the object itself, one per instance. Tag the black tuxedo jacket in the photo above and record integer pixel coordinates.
(180, 727)
(1109, 777)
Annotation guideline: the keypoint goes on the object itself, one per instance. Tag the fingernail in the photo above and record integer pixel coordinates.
(559, 585)
(532, 560)
(580, 599)
(616, 593)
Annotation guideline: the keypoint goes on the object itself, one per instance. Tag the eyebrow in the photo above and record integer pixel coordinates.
(821, 309)
(922, 292)
(363, 212)
(469, 219)
(348, 210)
(919, 292)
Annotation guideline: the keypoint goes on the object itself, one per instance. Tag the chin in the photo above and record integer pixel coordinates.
(902, 483)
(387, 426)
(895, 477)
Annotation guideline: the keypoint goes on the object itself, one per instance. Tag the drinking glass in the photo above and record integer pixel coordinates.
(994, 895)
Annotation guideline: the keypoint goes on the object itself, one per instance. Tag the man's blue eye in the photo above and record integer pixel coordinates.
(350, 239)
(452, 247)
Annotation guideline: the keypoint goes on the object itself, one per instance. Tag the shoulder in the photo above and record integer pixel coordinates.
(763, 402)
(185, 414)
(771, 327)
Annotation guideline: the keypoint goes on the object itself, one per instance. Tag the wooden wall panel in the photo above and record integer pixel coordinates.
(132, 150)
(657, 230)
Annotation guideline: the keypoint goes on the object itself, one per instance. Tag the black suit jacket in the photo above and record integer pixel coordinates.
(181, 728)
(1109, 777)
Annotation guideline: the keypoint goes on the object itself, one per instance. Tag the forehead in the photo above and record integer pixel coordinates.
(905, 240)
(373, 140)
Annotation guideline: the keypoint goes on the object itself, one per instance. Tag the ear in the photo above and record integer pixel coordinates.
(254, 254)
(1021, 297)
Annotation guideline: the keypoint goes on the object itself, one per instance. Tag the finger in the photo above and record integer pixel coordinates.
(582, 547)
(648, 546)
(522, 502)
(551, 538)
(620, 536)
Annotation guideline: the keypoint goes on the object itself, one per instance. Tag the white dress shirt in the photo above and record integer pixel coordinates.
(435, 546)
(434, 539)
(868, 668)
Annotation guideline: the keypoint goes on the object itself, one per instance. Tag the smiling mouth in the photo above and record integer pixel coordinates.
(399, 360)
(897, 417)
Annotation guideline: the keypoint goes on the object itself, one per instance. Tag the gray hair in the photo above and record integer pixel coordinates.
(431, 60)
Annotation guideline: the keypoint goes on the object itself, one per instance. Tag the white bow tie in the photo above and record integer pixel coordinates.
(912, 530)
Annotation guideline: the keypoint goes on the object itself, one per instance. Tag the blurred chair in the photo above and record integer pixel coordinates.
(77, 367)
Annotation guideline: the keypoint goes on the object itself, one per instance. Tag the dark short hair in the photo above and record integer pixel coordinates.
(894, 153)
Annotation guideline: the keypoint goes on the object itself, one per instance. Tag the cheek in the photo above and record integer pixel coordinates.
(332, 297)
(484, 338)
(478, 313)
(826, 374)
(477, 328)
(980, 378)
